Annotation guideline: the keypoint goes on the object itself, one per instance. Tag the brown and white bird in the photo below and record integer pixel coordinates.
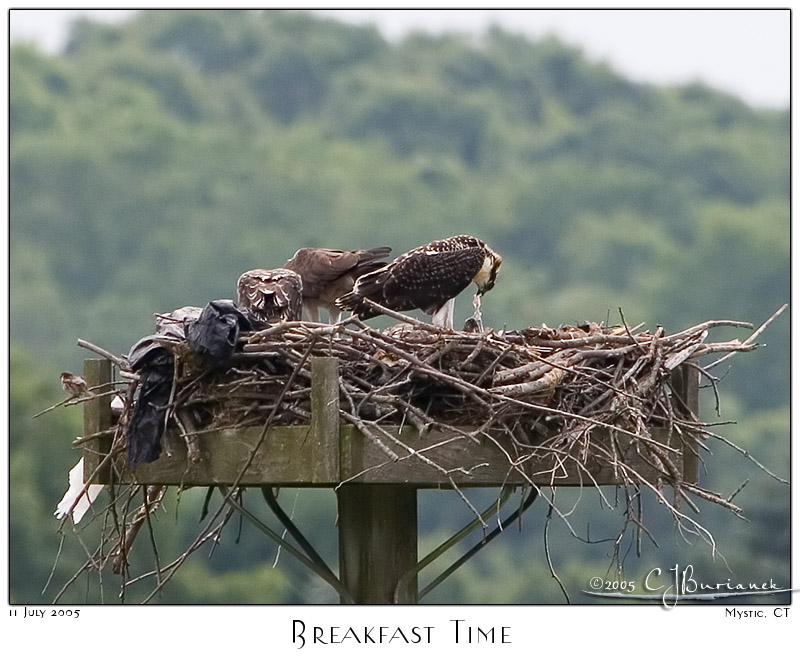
(75, 386)
(427, 278)
(271, 295)
(330, 273)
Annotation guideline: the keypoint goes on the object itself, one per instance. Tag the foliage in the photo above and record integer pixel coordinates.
(154, 161)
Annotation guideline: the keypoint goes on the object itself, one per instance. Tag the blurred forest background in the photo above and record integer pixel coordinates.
(155, 160)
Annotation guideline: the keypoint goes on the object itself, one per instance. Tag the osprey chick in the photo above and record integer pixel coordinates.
(427, 278)
(271, 295)
(329, 273)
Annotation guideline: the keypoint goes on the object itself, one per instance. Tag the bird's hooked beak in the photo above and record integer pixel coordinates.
(494, 266)
(487, 286)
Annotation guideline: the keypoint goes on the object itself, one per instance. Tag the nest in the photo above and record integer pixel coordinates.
(550, 392)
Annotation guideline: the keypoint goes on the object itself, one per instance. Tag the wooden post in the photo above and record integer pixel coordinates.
(97, 417)
(377, 541)
(686, 383)
(377, 523)
(324, 418)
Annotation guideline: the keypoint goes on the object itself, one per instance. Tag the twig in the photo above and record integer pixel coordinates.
(751, 338)
(102, 352)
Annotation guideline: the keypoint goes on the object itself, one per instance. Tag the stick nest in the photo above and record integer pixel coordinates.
(536, 378)
(548, 391)
(426, 377)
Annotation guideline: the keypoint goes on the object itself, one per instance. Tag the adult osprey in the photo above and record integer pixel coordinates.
(329, 273)
(271, 295)
(427, 278)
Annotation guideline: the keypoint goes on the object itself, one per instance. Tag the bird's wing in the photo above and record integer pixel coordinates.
(427, 277)
(370, 259)
(424, 278)
(320, 266)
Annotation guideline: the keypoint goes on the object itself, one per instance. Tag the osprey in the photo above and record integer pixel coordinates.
(329, 273)
(427, 278)
(271, 295)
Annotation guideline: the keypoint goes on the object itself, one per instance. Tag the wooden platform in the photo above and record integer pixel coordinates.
(327, 453)
(376, 484)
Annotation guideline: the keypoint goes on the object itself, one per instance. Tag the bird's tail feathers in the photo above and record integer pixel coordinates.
(371, 260)
(366, 286)
(374, 254)
(351, 301)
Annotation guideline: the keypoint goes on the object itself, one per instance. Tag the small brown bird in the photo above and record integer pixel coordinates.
(75, 386)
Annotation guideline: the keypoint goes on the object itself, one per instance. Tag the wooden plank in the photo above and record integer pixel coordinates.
(325, 454)
(287, 456)
(284, 456)
(480, 461)
(97, 417)
(377, 542)
(686, 384)
(691, 456)
(324, 418)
